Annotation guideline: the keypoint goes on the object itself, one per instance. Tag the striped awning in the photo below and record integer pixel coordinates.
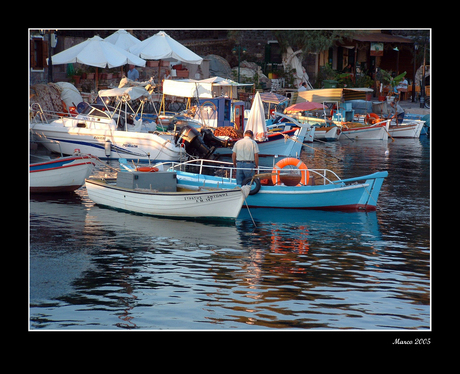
(333, 94)
(273, 98)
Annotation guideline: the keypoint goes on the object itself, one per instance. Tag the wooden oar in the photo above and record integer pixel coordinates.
(385, 128)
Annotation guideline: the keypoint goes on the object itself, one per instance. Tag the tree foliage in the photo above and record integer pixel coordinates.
(313, 41)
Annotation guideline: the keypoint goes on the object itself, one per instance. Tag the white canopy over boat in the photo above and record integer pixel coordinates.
(130, 93)
(162, 47)
(204, 89)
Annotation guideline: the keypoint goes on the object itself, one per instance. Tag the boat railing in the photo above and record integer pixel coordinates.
(227, 170)
(37, 114)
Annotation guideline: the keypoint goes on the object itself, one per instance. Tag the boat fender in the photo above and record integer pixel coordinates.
(292, 162)
(147, 169)
(108, 148)
(256, 187)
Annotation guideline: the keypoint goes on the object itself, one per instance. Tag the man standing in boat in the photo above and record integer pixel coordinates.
(245, 157)
(394, 109)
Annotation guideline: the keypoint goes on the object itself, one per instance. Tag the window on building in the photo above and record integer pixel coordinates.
(38, 53)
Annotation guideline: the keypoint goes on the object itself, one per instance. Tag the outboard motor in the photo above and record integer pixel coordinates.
(211, 140)
(193, 142)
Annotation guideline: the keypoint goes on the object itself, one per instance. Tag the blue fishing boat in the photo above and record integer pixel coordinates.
(289, 185)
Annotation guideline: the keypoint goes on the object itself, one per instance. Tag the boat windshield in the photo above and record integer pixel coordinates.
(97, 110)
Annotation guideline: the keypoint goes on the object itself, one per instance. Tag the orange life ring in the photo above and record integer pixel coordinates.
(371, 118)
(293, 162)
(147, 169)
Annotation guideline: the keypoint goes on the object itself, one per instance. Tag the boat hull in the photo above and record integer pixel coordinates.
(108, 144)
(328, 134)
(60, 175)
(286, 143)
(342, 195)
(374, 132)
(411, 129)
(219, 204)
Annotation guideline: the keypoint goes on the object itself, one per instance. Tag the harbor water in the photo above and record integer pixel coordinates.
(95, 268)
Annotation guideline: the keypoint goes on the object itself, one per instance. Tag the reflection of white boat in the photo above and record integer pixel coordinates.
(63, 174)
(156, 193)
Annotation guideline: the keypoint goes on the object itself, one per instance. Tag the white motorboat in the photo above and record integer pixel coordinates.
(110, 132)
(95, 131)
(156, 193)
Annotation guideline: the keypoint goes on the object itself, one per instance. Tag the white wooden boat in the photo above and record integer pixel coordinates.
(327, 133)
(325, 130)
(361, 131)
(407, 129)
(62, 174)
(157, 194)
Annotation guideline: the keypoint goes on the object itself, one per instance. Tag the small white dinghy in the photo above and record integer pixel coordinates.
(156, 193)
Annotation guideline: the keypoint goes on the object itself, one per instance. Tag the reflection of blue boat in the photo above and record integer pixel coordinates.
(288, 222)
(319, 191)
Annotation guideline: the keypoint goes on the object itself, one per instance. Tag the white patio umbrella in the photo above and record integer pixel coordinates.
(162, 47)
(122, 39)
(96, 52)
(256, 120)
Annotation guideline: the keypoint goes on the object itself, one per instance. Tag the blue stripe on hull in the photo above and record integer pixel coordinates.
(113, 147)
(53, 164)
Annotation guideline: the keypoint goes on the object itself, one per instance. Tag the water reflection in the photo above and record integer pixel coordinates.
(93, 267)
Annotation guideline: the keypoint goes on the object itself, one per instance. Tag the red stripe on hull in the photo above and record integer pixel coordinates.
(63, 167)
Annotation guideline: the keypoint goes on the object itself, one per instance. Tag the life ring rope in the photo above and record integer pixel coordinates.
(290, 161)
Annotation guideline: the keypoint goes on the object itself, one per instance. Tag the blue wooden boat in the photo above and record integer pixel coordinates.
(318, 189)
